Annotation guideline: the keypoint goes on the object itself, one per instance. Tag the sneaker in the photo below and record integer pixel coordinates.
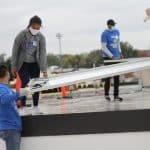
(24, 111)
(108, 98)
(36, 111)
(117, 98)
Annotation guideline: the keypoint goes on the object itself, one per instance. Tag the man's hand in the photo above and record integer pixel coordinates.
(45, 74)
(14, 71)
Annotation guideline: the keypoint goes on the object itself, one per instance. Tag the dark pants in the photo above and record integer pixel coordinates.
(12, 139)
(27, 72)
(108, 82)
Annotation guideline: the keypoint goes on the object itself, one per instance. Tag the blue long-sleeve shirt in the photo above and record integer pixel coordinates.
(9, 116)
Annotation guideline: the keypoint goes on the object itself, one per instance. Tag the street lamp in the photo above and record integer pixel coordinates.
(59, 36)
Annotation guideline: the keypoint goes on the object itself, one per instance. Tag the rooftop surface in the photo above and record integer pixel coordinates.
(93, 101)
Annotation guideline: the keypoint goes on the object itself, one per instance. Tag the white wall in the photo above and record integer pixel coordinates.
(124, 141)
(146, 78)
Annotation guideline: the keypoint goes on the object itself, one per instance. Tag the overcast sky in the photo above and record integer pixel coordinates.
(80, 22)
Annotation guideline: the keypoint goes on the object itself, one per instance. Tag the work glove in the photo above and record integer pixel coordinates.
(24, 92)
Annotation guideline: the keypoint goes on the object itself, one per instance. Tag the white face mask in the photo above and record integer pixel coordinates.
(113, 28)
(34, 31)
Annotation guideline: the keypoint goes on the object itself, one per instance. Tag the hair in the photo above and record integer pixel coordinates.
(35, 20)
(3, 71)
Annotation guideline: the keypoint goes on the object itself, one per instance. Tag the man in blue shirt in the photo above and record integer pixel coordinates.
(110, 40)
(10, 121)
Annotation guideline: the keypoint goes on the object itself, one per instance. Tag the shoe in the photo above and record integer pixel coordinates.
(108, 98)
(117, 98)
(36, 111)
(24, 111)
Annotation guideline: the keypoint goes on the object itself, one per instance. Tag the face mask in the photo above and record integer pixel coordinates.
(34, 31)
(113, 28)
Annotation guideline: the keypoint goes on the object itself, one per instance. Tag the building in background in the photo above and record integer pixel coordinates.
(144, 53)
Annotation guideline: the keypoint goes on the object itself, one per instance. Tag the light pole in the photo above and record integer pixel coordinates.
(59, 36)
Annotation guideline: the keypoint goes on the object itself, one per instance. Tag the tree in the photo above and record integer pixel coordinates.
(53, 60)
(68, 61)
(94, 59)
(127, 50)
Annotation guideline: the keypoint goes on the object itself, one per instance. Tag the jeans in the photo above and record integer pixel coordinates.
(116, 86)
(27, 72)
(108, 82)
(12, 139)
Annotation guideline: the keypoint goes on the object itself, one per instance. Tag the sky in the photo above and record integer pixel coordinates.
(80, 22)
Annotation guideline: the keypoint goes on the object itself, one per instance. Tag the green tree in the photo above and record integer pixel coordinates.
(127, 50)
(53, 60)
(68, 61)
(94, 59)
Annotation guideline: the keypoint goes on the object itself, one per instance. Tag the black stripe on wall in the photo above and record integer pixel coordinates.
(86, 123)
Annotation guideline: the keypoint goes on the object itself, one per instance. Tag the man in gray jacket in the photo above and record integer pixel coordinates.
(29, 58)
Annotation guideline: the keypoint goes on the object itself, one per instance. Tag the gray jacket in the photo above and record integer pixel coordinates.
(19, 51)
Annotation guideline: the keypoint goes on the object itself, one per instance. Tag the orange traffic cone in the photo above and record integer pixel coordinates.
(64, 102)
(65, 91)
(18, 86)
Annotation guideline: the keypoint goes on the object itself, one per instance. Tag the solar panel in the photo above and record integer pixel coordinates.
(126, 66)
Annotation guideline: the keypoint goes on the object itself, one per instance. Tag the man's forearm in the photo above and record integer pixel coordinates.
(106, 50)
(120, 49)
